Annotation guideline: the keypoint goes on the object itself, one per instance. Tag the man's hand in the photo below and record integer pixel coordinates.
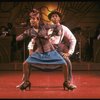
(65, 54)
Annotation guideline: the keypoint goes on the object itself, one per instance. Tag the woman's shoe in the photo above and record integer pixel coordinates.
(24, 85)
(18, 86)
(69, 86)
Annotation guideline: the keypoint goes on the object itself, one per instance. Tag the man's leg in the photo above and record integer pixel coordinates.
(69, 66)
(67, 69)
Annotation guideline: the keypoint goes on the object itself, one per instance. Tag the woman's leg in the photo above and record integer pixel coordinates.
(26, 71)
(25, 80)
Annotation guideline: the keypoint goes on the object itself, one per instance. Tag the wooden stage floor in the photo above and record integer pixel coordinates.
(49, 85)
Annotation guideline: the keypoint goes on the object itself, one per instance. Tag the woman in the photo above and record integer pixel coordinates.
(44, 53)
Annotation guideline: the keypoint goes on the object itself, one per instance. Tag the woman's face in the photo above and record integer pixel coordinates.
(55, 18)
(34, 21)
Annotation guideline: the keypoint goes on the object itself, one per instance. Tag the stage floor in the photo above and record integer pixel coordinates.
(49, 85)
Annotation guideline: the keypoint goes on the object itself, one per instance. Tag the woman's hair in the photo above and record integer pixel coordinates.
(35, 13)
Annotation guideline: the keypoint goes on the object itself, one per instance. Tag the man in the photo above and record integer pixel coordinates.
(56, 39)
(55, 17)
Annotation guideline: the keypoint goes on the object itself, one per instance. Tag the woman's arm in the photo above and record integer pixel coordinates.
(23, 35)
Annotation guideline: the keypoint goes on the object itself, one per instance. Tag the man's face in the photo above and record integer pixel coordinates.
(34, 21)
(55, 18)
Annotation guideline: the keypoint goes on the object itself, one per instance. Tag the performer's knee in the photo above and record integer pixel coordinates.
(25, 63)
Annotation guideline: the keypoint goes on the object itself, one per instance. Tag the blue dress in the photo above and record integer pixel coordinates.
(51, 57)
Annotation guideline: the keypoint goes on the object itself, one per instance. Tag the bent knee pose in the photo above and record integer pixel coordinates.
(45, 53)
(56, 39)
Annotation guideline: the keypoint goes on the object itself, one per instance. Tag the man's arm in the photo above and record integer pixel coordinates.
(31, 46)
(98, 37)
(71, 38)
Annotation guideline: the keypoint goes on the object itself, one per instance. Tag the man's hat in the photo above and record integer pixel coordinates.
(54, 12)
